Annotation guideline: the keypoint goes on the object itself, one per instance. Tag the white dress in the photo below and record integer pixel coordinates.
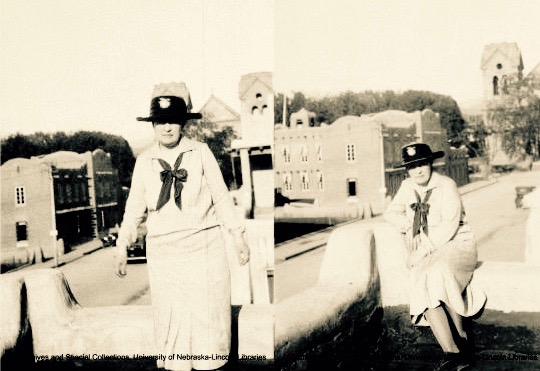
(187, 264)
(444, 276)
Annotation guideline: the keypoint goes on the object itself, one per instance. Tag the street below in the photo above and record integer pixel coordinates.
(94, 283)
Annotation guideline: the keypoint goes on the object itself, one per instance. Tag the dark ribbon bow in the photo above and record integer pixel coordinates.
(421, 210)
(167, 176)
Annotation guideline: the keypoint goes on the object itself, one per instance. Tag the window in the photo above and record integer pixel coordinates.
(320, 181)
(20, 197)
(22, 234)
(495, 85)
(351, 187)
(305, 181)
(299, 123)
(287, 181)
(303, 153)
(286, 154)
(319, 152)
(504, 83)
(351, 153)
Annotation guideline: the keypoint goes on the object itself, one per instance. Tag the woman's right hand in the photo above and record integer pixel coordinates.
(120, 261)
(412, 242)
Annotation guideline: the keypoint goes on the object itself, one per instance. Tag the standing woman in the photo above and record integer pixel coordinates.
(179, 183)
(428, 210)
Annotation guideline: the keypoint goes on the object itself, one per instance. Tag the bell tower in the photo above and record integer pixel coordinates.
(253, 150)
(501, 65)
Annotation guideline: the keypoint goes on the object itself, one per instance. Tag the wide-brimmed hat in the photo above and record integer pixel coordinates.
(417, 152)
(171, 102)
(169, 108)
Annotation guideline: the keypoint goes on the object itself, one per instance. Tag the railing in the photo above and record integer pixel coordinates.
(456, 167)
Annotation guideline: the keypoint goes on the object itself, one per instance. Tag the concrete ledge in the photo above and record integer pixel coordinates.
(53, 309)
(331, 317)
(41, 300)
(509, 286)
(14, 324)
(256, 331)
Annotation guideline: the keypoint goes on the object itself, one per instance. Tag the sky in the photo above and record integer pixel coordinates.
(324, 47)
(91, 64)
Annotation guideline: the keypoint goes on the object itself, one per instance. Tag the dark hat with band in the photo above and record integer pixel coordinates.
(169, 108)
(418, 152)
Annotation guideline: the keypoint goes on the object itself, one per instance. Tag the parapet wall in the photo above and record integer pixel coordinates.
(331, 325)
(42, 320)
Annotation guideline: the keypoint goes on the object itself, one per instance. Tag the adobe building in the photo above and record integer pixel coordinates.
(348, 167)
(252, 153)
(53, 202)
(27, 212)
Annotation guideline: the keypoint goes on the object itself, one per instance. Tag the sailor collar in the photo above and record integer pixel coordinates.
(434, 182)
(185, 145)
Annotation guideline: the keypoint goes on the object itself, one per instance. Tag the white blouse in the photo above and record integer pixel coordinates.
(206, 201)
(446, 217)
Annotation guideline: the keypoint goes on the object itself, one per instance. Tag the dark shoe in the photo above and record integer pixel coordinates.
(466, 349)
(453, 362)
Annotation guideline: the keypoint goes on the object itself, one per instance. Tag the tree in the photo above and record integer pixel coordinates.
(219, 142)
(474, 135)
(330, 108)
(36, 144)
(516, 117)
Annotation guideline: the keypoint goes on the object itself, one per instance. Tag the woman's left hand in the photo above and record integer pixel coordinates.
(242, 249)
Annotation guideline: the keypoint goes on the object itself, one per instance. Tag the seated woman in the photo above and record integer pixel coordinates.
(428, 210)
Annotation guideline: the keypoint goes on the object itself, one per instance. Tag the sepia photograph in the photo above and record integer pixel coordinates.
(137, 185)
(270, 185)
(407, 180)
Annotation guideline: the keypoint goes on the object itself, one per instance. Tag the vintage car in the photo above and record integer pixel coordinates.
(138, 249)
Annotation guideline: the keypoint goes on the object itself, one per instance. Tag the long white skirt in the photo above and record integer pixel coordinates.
(444, 277)
(190, 291)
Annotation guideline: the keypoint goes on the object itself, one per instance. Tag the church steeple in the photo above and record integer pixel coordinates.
(501, 64)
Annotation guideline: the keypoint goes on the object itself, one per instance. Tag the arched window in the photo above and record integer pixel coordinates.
(319, 152)
(287, 181)
(286, 154)
(504, 84)
(495, 85)
(320, 181)
(305, 181)
(303, 153)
